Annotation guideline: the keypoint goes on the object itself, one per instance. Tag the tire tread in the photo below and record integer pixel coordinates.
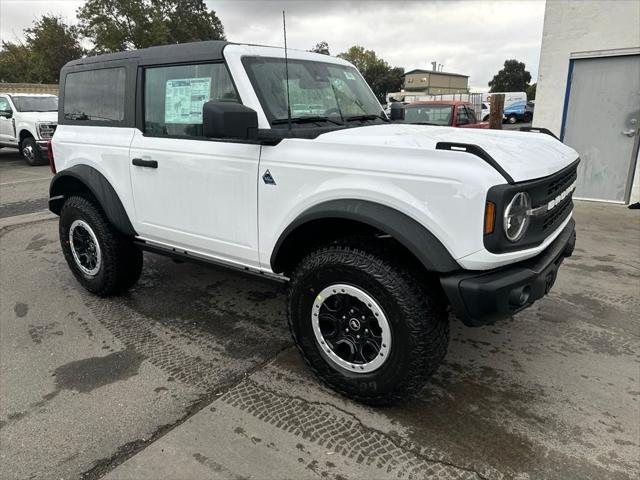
(425, 313)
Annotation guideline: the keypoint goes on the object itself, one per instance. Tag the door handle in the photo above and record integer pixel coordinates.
(629, 133)
(139, 162)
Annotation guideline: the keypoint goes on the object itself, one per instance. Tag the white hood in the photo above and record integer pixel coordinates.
(523, 155)
(35, 117)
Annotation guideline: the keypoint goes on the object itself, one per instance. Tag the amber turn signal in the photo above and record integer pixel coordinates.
(489, 218)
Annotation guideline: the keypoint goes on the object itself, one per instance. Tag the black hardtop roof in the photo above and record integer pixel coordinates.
(175, 53)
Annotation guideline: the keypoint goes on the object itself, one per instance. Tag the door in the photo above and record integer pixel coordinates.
(189, 191)
(602, 125)
(7, 134)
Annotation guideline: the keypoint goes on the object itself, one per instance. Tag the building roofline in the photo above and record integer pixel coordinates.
(419, 70)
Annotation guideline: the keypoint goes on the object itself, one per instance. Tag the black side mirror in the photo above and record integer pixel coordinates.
(397, 111)
(6, 113)
(229, 120)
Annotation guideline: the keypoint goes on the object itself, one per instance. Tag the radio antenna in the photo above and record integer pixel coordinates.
(286, 68)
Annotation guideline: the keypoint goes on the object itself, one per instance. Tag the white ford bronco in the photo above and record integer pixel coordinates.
(229, 154)
(27, 122)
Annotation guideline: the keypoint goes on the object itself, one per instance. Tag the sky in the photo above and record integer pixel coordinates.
(472, 37)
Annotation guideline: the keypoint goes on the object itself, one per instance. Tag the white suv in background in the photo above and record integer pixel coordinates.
(27, 122)
(192, 151)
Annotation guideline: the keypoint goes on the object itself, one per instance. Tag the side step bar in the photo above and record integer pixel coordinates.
(478, 152)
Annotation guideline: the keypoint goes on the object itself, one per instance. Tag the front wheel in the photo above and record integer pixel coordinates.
(365, 325)
(512, 119)
(104, 261)
(31, 152)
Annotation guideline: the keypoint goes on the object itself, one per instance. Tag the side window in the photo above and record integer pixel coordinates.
(5, 107)
(174, 96)
(462, 117)
(95, 95)
(472, 115)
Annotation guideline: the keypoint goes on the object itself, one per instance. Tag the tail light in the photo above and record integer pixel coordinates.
(52, 163)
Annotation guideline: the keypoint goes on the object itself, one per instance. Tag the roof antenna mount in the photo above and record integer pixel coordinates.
(286, 68)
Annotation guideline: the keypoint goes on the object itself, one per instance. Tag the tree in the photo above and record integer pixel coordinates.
(512, 78)
(16, 65)
(531, 92)
(116, 25)
(362, 59)
(52, 44)
(321, 47)
(379, 75)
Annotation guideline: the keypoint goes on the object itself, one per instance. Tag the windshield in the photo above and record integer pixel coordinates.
(324, 91)
(35, 104)
(431, 114)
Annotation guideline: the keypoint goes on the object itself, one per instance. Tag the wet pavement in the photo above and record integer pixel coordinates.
(192, 374)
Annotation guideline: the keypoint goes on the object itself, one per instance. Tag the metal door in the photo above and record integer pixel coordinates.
(602, 124)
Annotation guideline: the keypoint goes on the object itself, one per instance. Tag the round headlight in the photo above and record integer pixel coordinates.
(516, 219)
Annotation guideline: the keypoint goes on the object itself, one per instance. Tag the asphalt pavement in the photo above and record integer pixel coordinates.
(192, 374)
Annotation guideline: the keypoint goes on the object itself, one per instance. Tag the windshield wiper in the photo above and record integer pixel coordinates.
(317, 118)
(366, 117)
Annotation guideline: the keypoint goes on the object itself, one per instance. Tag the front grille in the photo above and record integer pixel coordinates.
(559, 213)
(542, 191)
(559, 185)
(556, 185)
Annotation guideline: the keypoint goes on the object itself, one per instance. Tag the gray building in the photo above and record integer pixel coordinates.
(588, 92)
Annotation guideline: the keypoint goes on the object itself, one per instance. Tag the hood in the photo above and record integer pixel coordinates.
(523, 155)
(51, 117)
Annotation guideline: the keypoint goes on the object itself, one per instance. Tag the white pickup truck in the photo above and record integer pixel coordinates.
(193, 151)
(27, 122)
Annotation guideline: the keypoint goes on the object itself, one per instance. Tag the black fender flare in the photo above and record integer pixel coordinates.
(65, 183)
(412, 235)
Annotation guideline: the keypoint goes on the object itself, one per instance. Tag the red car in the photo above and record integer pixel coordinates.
(443, 113)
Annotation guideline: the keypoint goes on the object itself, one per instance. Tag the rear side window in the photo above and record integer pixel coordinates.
(472, 115)
(462, 117)
(95, 95)
(174, 96)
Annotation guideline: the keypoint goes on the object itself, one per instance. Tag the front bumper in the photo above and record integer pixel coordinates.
(480, 298)
(42, 145)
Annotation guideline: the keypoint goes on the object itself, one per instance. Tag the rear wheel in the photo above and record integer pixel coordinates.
(31, 152)
(103, 260)
(512, 119)
(366, 326)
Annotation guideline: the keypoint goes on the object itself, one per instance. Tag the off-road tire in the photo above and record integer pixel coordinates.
(121, 260)
(415, 312)
(35, 158)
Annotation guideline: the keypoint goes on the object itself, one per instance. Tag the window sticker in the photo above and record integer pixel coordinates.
(184, 99)
(349, 75)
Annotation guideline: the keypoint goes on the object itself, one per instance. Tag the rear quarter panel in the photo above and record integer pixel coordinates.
(104, 148)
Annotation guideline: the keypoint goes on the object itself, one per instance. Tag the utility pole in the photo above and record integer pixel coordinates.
(497, 108)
